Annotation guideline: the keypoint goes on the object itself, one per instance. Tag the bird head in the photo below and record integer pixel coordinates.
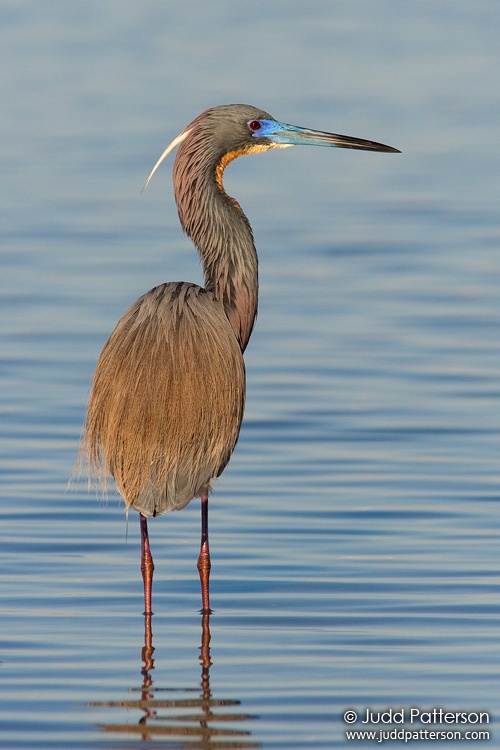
(232, 130)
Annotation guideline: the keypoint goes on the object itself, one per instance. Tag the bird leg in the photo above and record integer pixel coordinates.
(147, 566)
(204, 558)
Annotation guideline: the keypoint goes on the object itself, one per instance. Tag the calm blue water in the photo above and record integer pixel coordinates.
(355, 533)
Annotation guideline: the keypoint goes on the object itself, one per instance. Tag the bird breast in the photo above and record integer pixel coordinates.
(167, 398)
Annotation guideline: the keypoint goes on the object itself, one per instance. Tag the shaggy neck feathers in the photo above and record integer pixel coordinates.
(219, 229)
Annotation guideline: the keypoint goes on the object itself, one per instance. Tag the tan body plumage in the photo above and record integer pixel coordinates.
(167, 398)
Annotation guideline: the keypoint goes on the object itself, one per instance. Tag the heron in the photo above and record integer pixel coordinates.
(168, 393)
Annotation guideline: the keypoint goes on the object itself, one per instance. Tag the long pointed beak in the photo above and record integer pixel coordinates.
(291, 135)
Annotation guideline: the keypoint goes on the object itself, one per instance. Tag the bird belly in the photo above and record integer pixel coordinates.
(167, 398)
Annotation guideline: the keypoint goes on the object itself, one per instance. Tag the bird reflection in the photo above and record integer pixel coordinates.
(182, 721)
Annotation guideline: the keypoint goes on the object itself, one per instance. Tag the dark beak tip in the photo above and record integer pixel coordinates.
(388, 149)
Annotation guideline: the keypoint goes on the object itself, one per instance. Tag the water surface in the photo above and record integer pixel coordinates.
(355, 532)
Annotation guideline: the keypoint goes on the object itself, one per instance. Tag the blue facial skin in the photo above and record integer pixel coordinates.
(280, 132)
(291, 135)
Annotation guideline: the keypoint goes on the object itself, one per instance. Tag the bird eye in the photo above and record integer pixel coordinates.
(254, 125)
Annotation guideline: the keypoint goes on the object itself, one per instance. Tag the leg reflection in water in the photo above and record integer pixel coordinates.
(199, 722)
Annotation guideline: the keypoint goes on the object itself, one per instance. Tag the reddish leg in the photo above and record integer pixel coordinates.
(204, 558)
(147, 566)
